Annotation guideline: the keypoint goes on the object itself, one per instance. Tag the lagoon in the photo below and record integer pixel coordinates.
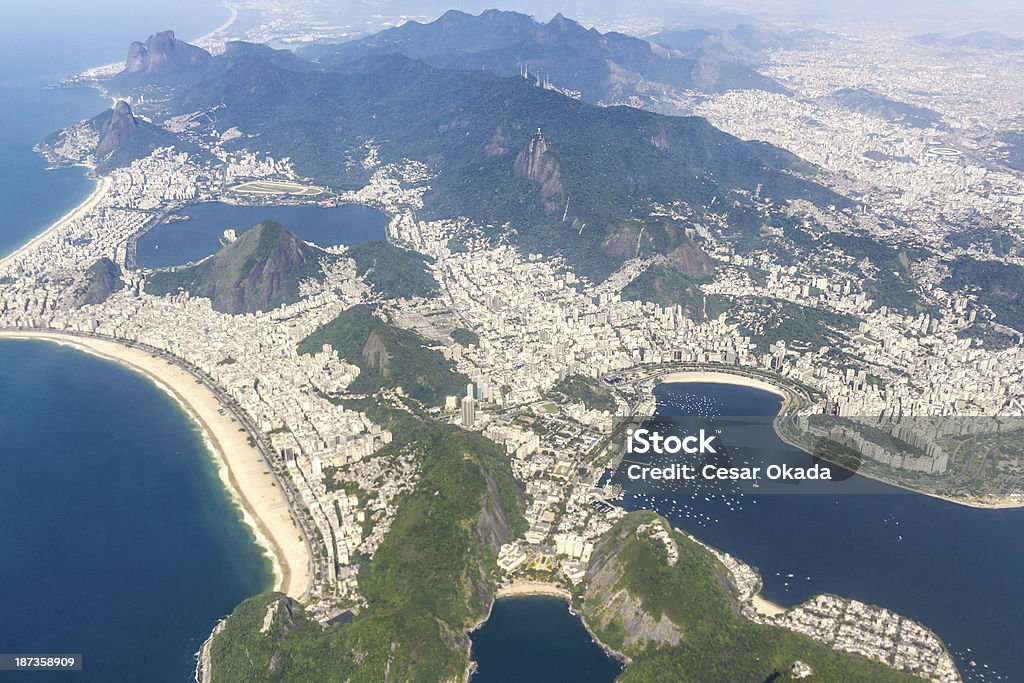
(197, 232)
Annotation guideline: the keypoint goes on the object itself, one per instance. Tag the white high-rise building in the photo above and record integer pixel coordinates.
(468, 408)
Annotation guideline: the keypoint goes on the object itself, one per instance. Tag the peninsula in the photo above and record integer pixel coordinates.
(414, 427)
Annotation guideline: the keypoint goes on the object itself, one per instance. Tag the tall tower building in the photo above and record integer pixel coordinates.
(468, 408)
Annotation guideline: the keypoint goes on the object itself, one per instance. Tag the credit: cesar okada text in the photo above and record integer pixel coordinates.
(647, 441)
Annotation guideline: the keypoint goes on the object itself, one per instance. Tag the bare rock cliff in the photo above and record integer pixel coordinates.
(536, 162)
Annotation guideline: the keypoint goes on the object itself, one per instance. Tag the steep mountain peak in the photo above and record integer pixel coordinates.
(599, 67)
(561, 23)
(534, 162)
(121, 126)
(453, 16)
(101, 280)
(259, 271)
(162, 53)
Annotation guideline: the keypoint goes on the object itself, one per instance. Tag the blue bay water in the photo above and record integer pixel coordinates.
(40, 43)
(955, 569)
(535, 639)
(116, 531)
(32, 197)
(119, 541)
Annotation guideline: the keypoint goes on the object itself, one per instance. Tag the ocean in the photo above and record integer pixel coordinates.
(120, 543)
(531, 639)
(953, 568)
(118, 540)
(41, 43)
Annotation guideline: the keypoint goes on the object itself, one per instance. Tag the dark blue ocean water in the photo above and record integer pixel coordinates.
(538, 640)
(40, 43)
(957, 570)
(118, 540)
(181, 241)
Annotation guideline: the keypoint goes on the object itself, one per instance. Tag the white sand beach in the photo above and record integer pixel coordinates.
(721, 378)
(533, 588)
(242, 469)
(74, 214)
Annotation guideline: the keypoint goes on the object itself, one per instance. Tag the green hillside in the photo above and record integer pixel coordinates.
(387, 357)
(430, 579)
(1000, 286)
(393, 272)
(600, 171)
(259, 271)
(588, 391)
(714, 643)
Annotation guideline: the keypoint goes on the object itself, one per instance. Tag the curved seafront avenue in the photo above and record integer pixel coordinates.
(264, 499)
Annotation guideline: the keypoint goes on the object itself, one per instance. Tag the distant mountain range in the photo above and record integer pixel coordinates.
(872, 103)
(598, 67)
(979, 40)
(744, 44)
(568, 177)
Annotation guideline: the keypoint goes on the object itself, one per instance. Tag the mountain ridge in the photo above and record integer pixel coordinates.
(580, 60)
(259, 271)
(611, 166)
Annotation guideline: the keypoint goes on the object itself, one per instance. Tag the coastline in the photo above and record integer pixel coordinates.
(240, 466)
(715, 377)
(219, 33)
(766, 607)
(74, 214)
(969, 503)
(521, 589)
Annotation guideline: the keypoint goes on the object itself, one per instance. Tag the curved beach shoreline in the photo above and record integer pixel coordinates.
(710, 377)
(716, 377)
(533, 588)
(240, 465)
(74, 214)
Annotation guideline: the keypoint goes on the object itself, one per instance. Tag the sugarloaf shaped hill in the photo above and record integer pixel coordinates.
(259, 271)
(566, 177)
(121, 139)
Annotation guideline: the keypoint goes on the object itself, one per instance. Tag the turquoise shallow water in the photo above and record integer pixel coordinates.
(119, 541)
